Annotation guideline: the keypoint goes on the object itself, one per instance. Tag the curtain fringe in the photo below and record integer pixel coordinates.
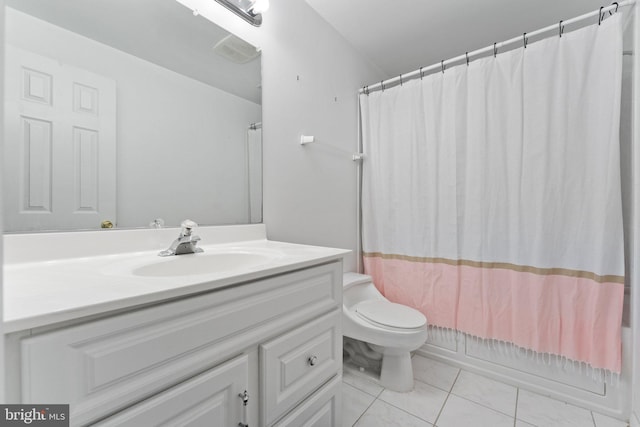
(508, 349)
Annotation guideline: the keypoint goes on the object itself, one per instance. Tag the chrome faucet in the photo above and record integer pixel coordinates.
(185, 243)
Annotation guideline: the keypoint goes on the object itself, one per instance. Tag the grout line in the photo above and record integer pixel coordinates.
(510, 415)
(435, 422)
(454, 381)
(371, 404)
(415, 380)
(484, 406)
(515, 413)
(406, 412)
(364, 378)
(376, 395)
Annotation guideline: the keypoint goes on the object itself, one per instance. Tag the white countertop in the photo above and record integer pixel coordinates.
(48, 291)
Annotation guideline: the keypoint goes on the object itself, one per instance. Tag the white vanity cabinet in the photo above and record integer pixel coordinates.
(189, 360)
(209, 399)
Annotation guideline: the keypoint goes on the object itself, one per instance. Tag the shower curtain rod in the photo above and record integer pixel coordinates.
(495, 47)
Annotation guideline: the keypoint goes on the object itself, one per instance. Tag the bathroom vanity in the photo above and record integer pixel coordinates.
(250, 335)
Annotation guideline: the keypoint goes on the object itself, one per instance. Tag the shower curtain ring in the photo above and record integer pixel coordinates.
(421, 73)
(615, 11)
(524, 40)
(466, 54)
(600, 15)
(442, 66)
(382, 84)
(495, 50)
(400, 79)
(560, 28)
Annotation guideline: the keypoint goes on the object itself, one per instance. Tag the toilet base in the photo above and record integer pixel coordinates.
(397, 372)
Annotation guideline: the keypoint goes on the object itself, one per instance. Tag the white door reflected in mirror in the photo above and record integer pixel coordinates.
(182, 116)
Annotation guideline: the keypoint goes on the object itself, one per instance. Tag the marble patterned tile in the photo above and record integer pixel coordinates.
(432, 372)
(606, 421)
(520, 423)
(424, 401)
(354, 403)
(459, 412)
(361, 383)
(381, 414)
(544, 411)
(487, 392)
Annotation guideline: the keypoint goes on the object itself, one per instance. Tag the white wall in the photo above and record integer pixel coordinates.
(2, 398)
(310, 79)
(635, 232)
(166, 125)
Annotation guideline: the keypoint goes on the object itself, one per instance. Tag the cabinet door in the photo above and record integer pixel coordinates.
(294, 365)
(323, 409)
(213, 398)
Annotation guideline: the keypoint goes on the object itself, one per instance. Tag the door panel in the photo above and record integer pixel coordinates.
(60, 145)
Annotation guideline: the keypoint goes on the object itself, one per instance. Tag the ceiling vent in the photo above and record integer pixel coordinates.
(236, 50)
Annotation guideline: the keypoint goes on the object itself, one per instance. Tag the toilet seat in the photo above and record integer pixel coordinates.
(390, 315)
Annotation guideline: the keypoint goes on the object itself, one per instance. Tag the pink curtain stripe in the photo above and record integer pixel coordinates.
(574, 317)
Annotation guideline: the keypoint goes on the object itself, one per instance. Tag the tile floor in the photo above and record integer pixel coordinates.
(445, 396)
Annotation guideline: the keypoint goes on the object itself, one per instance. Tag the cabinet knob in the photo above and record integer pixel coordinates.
(312, 360)
(245, 398)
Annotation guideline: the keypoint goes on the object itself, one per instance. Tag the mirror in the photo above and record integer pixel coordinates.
(124, 112)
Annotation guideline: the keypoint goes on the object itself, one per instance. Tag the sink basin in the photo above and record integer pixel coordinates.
(203, 263)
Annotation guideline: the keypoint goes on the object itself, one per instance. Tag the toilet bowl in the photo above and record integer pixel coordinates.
(392, 329)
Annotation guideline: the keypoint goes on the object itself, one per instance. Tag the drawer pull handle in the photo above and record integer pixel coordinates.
(245, 401)
(312, 360)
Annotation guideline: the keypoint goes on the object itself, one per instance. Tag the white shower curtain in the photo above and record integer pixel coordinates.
(254, 174)
(491, 195)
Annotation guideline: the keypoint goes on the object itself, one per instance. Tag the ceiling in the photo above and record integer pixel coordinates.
(163, 32)
(400, 36)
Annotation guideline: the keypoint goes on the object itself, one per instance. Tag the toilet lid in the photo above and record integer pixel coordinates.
(391, 314)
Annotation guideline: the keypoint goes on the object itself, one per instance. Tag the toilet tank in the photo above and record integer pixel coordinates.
(351, 279)
(357, 288)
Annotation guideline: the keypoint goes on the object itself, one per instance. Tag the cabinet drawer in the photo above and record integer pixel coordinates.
(212, 398)
(323, 409)
(295, 364)
(102, 366)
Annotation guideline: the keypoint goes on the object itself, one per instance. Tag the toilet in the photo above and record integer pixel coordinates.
(394, 330)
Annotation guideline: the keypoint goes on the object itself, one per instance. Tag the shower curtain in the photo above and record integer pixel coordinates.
(491, 195)
(254, 174)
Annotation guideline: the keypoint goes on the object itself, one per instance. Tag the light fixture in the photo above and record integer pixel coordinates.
(249, 10)
(260, 6)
